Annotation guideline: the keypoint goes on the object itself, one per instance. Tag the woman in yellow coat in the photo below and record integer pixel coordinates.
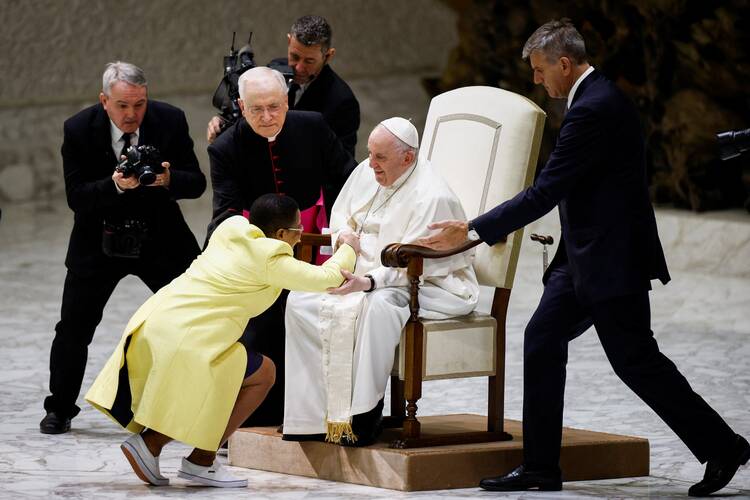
(179, 371)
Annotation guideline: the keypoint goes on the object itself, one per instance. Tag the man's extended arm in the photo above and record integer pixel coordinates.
(572, 159)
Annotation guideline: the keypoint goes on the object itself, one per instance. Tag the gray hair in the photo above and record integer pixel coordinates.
(556, 39)
(312, 30)
(119, 71)
(259, 73)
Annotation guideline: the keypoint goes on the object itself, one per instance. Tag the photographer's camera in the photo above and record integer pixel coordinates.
(142, 162)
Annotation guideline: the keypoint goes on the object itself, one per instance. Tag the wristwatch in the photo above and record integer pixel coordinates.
(472, 234)
(372, 283)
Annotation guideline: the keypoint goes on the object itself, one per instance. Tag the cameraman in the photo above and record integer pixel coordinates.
(315, 87)
(121, 227)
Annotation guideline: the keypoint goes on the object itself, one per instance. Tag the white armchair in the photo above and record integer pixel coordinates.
(484, 141)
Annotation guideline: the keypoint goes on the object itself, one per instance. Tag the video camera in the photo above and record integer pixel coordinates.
(733, 143)
(228, 92)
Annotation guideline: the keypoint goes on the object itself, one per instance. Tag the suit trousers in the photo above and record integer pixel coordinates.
(623, 325)
(83, 301)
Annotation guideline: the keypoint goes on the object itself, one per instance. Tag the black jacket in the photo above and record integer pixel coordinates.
(597, 175)
(88, 164)
(329, 95)
(309, 156)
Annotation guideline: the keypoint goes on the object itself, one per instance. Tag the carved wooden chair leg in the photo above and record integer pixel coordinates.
(413, 382)
(496, 385)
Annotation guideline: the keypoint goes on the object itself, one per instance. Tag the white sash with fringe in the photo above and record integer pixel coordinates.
(338, 323)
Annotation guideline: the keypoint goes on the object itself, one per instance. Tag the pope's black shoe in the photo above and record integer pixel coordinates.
(54, 424)
(520, 479)
(303, 437)
(367, 427)
(720, 471)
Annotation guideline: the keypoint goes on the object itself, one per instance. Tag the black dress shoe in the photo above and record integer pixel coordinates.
(367, 427)
(54, 424)
(303, 437)
(720, 471)
(520, 479)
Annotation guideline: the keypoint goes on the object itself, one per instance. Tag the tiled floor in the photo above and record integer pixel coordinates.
(700, 321)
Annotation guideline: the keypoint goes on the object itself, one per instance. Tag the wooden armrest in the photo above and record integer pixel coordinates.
(399, 254)
(315, 240)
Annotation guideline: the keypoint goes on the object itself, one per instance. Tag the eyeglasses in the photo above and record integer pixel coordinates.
(273, 109)
(299, 228)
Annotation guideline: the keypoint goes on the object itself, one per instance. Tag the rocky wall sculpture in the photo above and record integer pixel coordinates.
(685, 64)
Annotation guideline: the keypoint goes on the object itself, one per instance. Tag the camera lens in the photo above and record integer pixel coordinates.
(147, 177)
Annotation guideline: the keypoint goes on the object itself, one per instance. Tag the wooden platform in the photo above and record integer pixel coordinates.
(585, 455)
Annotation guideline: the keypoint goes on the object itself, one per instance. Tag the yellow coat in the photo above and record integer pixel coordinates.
(185, 365)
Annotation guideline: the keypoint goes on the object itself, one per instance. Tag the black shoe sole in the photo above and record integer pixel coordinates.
(54, 430)
(528, 488)
(743, 459)
(303, 437)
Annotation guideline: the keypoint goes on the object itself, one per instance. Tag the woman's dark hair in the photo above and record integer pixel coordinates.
(272, 212)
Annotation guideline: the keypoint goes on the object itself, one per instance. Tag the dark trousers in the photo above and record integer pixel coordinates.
(623, 325)
(265, 334)
(83, 301)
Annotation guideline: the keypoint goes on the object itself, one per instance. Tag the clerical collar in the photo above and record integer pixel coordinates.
(388, 193)
(581, 78)
(272, 138)
(400, 181)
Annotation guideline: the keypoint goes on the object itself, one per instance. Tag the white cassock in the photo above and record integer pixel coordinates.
(316, 393)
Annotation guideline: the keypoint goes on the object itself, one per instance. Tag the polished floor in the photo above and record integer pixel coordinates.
(701, 321)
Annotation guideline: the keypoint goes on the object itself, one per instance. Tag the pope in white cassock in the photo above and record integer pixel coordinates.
(341, 346)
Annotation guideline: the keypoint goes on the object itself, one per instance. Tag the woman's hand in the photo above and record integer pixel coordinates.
(352, 284)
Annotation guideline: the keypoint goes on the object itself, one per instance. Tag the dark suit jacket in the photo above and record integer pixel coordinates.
(88, 163)
(329, 95)
(308, 155)
(597, 175)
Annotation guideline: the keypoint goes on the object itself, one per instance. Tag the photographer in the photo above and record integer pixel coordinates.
(122, 226)
(315, 87)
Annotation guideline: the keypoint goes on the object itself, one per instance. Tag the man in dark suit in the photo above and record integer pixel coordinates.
(121, 227)
(273, 150)
(316, 86)
(608, 253)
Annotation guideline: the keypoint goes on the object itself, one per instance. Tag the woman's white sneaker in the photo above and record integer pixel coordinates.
(145, 465)
(215, 475)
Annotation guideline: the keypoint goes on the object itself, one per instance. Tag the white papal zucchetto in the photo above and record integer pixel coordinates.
(403, 129)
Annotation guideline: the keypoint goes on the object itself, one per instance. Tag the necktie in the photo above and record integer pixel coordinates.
(126, 139)
(293, 88)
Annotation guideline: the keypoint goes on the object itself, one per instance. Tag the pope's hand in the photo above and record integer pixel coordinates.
(350, 239)
(352, 284)
(452, 234)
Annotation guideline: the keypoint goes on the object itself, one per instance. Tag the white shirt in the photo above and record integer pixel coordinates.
(581, 78)
(118, 143)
